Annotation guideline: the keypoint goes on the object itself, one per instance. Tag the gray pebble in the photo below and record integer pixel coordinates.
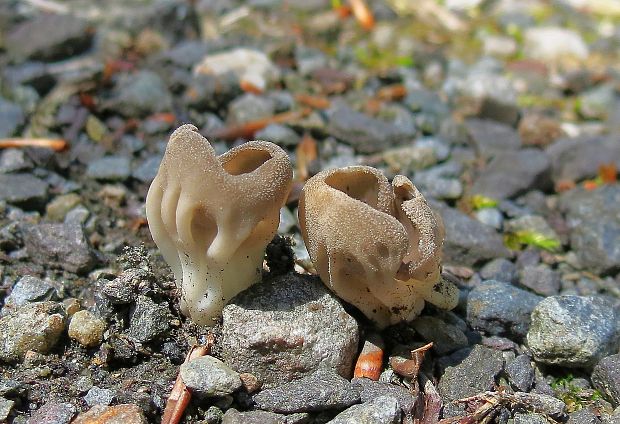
(320, 391)
(53, 413)
(210, 376)
(573, 331)
(446, 337)
(110, 168)
(499, 269)
(520, 373)
(541, 279)
(370, 390)
(606, 378)
(30, 289)
(381, 410)
(149, 320)
(99, 396)
(23, 190)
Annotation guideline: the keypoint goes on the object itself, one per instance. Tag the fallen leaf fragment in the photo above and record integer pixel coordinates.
(246, 130)
(362, 13)
(370, 362)
(315, 102)
(55, 144)
(306, 152)
(392, 92)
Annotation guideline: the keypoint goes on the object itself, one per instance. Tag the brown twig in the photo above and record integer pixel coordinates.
(363, 14)
(180, 395)
(55, 144)
(247, 129)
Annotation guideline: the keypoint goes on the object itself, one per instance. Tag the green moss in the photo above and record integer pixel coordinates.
(573, 396)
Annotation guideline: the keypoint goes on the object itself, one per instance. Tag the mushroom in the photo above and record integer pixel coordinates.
(213, 216)
(377, 246)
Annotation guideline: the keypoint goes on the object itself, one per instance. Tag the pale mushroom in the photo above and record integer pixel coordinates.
(213, 216)
(377, 246)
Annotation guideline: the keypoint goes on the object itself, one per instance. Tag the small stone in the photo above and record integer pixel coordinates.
(512, 173)
(214, 415)
(446, 337)
(541, 279)
(573, 331)
(12, 160)
(60, 245)
(34, 326)
(99, 396)
(538, 130)
(250, 107)
(285, 328)
(551, 44)
(323, 390)
(11, 118)
(30, 289)
(5, 408)
(520, 373)
(87, 328)
(119, 414)
(57, 209)
(534, 223)
(545, 404)
(23, 190)
(370, 390)
(583, 416)
(490, 138)
(468, 241)
(232, 416)
(110, 168)
(606, 378)
(210, 376)
(49, 36)
(250, 382)
(252, 67)
(597, 102)
(149, 320)
(278, 134)
(366, 134)
(381, 410)
(491, 217)
(594, 220)
(147, 170)
(530, 418)
(53, 413)
(500, 269)
(141, 94)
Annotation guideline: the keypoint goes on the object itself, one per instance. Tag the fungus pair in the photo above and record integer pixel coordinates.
(376, 245)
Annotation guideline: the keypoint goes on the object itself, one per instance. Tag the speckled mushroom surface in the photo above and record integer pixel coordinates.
(212, 216)
(376, 245)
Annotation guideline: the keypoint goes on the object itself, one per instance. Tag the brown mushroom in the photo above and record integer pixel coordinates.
(377, 246)
(212, 216)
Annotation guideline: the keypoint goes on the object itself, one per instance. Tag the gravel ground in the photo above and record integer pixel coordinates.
(505, 114)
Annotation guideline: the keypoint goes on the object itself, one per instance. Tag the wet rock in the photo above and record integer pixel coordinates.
(49, 37)
(594, 220)
(119, 414)
(210, 376)
(60, 245)
(11, 118)
(370, 390)
(149, 320)
(53, 413)
(110, 168)
(573, 331)
(510, 174)
(35, 326)
(323, 390)
(490, 138)
(446, 337)
(553, 44)
(99, 396)
(285, 328)
(23, 190)
(140, 94)
(232, 416)
(147, 170)
(500, 269)
(251, 67)
(366, 134)
(499, 308)
(574, 159)
(5, 408)
(381, 410)
(606, 378)
(29, 289)
(520, 373)
(86, 328)
(541, 279)
(278, 134)
(250, 107)
(475, 374)
(468, 241)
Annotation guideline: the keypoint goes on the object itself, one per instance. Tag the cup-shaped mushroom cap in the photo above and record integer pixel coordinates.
(213, 216)
(377, 246)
